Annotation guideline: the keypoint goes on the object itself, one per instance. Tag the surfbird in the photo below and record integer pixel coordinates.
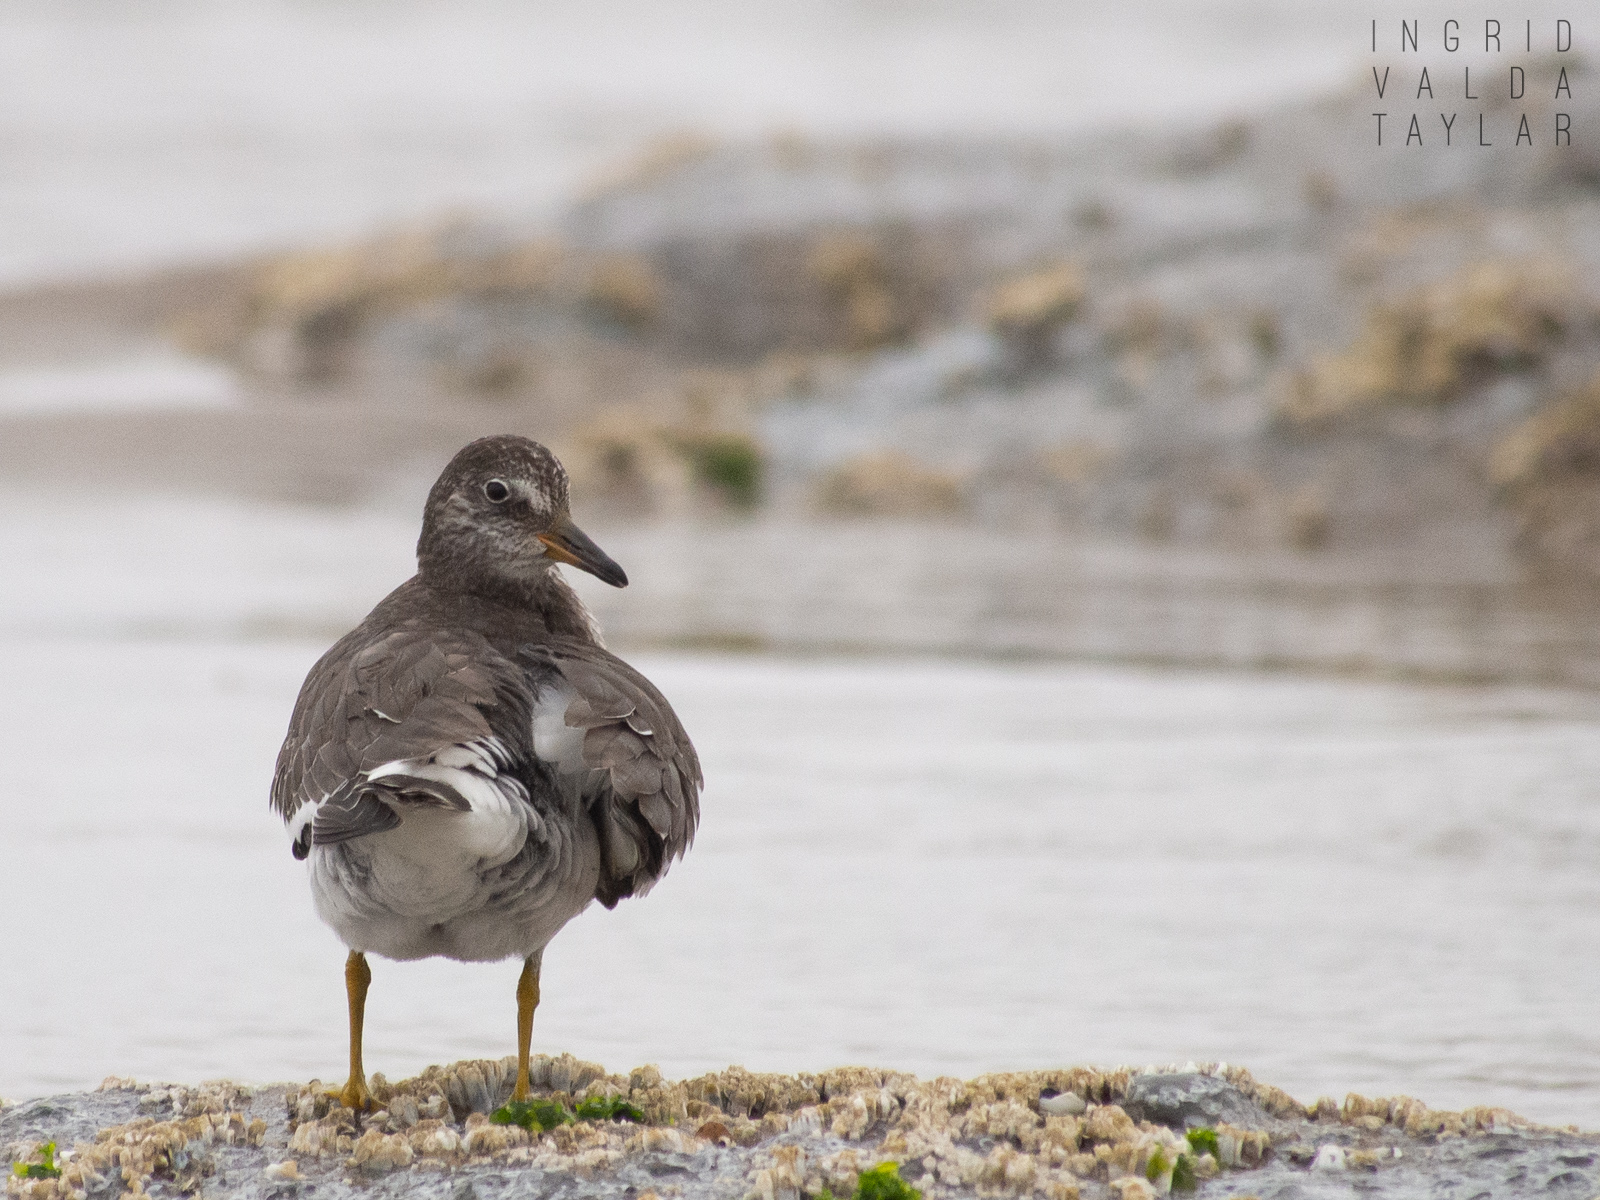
(469, 767)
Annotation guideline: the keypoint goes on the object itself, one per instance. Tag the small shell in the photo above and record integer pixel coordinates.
(1062, 1104)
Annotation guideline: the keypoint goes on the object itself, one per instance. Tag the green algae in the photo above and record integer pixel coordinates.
(1183, 1176)
(615, 1108)
(1156, 1167)
(541, 1116)
(883, 1182)
(1204, 1141)
(536, 1116)
(730, 464)
(40, 1170)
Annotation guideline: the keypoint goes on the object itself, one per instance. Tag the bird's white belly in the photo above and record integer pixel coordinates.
(430, 868)
(429, 887)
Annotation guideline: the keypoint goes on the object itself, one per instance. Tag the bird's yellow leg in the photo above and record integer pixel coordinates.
(357, 976)
(527, 1001)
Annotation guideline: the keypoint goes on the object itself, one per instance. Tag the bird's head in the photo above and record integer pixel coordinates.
(497, 520)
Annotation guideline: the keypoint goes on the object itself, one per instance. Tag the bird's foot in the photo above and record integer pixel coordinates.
(354, 1095)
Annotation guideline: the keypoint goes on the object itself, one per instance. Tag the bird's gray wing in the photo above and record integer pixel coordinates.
(412, 716)
(608, 733)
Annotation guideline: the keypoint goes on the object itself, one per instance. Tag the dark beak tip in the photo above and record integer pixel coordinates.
(571, 545)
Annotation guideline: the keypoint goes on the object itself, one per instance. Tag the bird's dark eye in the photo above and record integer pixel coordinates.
(497, 491)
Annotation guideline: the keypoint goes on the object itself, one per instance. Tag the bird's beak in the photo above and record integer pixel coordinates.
(565, 542)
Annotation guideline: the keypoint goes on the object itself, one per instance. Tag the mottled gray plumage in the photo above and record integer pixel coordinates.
(469, 767)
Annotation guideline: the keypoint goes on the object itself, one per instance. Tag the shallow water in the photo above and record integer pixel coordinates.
(941, 866)
(156, 379)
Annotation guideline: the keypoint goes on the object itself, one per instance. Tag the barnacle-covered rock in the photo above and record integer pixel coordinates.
(738, 1092)
(776, 1137)
(377, 1152)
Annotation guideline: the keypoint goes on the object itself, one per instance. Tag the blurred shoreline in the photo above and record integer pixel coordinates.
(1250, 397)
(1248, 394)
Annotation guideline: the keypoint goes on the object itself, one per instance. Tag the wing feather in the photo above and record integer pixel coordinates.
(642, 777)
(352, 815)
(416, 717)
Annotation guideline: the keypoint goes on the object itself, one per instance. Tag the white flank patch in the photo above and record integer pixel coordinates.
(497, 824)
(554, 740)
(486, 756)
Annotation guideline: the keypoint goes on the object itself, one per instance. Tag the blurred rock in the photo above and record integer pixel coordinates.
(853, 272)
(1549, 470)
(889, 484)
(1430, 346)
(1027, 312)
(309, 313)
(623, 462)
(1561, 440)
(1307, 517)
(624, 289)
